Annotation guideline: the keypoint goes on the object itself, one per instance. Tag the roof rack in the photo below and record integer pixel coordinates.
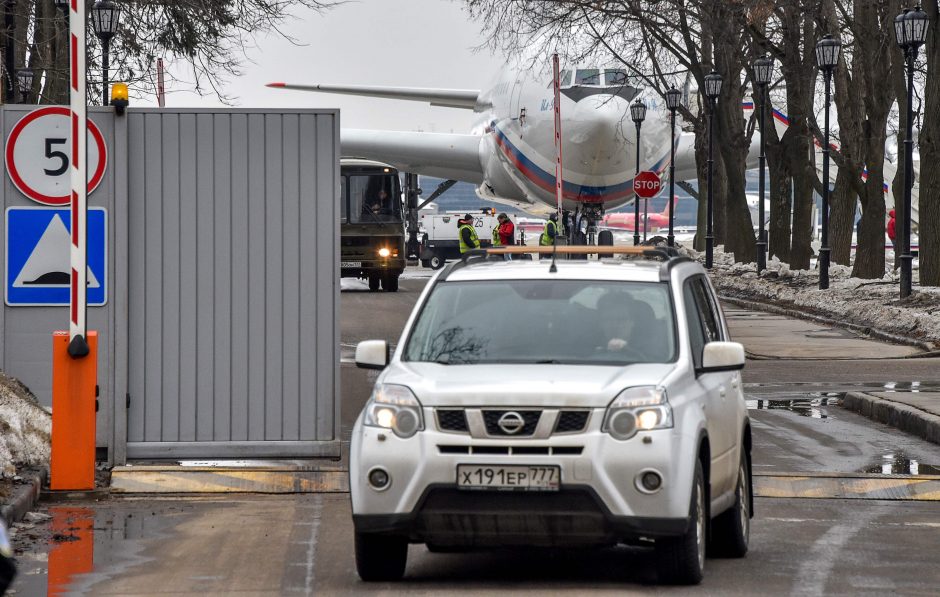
(669, 255)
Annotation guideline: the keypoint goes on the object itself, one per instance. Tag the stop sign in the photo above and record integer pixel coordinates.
(647, 184)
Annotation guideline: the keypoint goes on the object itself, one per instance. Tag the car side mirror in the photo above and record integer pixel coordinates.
(722, 356)
(372, 354)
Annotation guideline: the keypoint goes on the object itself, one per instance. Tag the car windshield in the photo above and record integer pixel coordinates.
(545, 321)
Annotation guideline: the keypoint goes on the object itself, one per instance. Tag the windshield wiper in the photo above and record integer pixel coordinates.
(548, 362)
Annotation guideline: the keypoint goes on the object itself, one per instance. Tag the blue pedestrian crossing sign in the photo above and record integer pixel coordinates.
(38, 271)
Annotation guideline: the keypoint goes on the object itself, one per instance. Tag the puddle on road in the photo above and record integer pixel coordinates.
(813, 404)
(885, 386)
(898, 463)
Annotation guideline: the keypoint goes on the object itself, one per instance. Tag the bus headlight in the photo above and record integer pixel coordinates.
(384, 252)
(637, 409)
(394, 407)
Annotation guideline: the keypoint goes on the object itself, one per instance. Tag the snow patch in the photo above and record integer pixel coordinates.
(25, 428)
(869, 303)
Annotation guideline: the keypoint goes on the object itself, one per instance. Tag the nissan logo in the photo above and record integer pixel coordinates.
(511, 423)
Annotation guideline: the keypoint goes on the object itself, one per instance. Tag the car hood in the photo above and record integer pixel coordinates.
(521, 385)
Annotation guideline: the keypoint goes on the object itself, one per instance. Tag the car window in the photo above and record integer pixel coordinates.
(693, 320)
(545, 321)
(708, 310)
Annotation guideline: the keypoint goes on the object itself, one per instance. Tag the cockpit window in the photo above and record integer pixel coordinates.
(588, 76)
(615, 76)
(565, 77)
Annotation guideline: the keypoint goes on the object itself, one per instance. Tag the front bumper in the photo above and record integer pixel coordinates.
(574, 516)
(598, 503)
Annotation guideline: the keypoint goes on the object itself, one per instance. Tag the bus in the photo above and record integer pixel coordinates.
(372, 227)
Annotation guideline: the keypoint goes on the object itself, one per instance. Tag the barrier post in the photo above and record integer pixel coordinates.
(72, 465)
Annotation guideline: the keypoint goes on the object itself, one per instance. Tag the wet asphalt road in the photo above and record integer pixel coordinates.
(302, 544)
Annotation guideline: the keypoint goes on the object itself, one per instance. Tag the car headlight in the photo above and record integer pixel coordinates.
(637, 409)
(396, 408)
(384, 252)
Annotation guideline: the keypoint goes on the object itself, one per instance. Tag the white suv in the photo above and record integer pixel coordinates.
(591, 404)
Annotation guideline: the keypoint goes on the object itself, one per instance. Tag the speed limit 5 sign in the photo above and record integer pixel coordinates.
(38, 155)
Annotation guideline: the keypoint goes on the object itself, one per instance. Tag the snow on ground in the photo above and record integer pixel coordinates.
(25, 428)
(870, 303)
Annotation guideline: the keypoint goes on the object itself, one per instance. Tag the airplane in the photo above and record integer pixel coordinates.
(510, 151)
(625, 221)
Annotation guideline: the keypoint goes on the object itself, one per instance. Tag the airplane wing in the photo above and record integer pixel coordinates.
(448, 156)
(448, 98)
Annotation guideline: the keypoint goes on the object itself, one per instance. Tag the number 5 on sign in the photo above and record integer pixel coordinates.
(37, 155)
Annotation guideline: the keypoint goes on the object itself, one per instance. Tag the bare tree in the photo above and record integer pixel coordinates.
(210, 37)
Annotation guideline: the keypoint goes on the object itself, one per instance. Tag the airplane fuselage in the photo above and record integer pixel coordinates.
(598, 142)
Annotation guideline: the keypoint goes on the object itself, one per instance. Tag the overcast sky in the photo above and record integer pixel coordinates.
(418, 43)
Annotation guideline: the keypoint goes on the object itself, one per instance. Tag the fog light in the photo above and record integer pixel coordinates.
(379, 479)
(384, 252)
(649, 481)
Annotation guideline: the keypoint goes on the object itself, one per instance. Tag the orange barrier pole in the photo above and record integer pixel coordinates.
(73, 415)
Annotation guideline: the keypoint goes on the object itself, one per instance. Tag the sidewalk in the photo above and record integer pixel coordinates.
(768, 336)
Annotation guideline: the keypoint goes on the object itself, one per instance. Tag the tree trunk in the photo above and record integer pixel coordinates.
(870, 256)
(929, 189)
(804, 174)
(842, 202)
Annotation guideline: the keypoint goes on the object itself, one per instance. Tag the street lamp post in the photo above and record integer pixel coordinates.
(712, 91)
(672, 103)
(763, 73)
(638, 114)
(827, 57)
(910, 29)
(24, 80)
(104, 19)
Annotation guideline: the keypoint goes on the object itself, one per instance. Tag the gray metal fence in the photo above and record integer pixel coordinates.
(223, 300)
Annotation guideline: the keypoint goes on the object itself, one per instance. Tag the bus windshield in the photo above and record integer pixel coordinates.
(372, 198)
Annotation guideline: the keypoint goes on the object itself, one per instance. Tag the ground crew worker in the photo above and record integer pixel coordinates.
(504, 234)
(547, 238)
(467, 235)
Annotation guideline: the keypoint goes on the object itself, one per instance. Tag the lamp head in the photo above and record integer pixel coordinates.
(105, 16)
(910, 28)
(763, 70)
(713, 85)
(827, 52)
(673, 97)
(638, 111)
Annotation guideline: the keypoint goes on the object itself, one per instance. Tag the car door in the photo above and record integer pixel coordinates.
(705, 326)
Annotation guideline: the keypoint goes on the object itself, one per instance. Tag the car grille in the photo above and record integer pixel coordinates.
(571, 421)
(513, 450)
(530, 421)
(452, 420)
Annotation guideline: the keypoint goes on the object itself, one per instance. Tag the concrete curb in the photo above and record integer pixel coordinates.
(928, 347)
(898, 415)
(25, 497)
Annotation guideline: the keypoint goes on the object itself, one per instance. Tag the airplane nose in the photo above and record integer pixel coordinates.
(600, 123)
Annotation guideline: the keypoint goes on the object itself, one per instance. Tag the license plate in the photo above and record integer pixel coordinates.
(525, 478)
(350, 264)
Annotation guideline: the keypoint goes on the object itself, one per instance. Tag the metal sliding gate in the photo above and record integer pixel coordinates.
(232, 288)
(213, 275)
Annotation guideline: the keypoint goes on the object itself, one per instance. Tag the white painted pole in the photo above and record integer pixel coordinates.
(558, 172)
(79, 207)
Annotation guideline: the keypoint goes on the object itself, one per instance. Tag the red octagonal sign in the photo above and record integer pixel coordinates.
(38, 153)
(647, 184)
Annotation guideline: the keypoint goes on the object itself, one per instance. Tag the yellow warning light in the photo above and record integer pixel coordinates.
(119, 98)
